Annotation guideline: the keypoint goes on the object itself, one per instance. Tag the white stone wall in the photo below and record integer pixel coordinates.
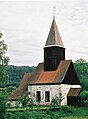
(65, 89)
(55, 90)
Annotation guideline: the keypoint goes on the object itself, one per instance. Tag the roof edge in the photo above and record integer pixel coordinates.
(53, 46)
(44, 84)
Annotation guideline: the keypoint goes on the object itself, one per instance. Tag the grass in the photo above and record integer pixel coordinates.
(74, 117)
(46, 112)
(35, 108)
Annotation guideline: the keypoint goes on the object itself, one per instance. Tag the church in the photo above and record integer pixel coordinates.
(56, 77)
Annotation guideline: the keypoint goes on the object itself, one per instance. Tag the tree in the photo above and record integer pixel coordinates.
(2, 107)
(81, 67)
(3, 61)
(81, 61)
(84, 97)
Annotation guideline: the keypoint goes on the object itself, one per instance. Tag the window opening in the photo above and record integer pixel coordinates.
(47, 96)
(38, 96)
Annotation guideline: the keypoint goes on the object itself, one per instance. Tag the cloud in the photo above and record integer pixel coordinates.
(26, 24)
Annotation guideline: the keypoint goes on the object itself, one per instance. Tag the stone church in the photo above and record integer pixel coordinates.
(56, 77)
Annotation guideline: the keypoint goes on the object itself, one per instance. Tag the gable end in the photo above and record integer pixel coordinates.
(71, 76)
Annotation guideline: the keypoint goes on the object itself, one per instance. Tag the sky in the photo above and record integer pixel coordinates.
(25, 26)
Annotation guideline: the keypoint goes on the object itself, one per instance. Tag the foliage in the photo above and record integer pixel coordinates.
(18, 115)
(81, 67)
(84, 97)
(3, 61)
(10, 89)
(7, 90)
(16, 73)
(2, 107)
(24, 101)
(57, 100)
(68, 109)
(81, 61)
(84, 83)
(81, 112)
(74, 117)
(38, 113)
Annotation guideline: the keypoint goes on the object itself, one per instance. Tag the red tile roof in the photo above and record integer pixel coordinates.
(21, 89)
(47, 77)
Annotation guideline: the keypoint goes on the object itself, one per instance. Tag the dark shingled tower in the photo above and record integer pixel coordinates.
(54, 50)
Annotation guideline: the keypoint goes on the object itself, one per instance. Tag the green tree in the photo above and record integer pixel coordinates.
(2, 107)
(3, 61)
(16, 73)
(81, 67)
(84, 97)
(81, 61)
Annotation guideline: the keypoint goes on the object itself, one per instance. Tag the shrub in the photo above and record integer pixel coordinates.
(84, 98)
(67, 110)
(2, 107)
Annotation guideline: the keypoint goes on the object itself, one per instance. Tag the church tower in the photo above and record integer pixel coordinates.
(54, 50)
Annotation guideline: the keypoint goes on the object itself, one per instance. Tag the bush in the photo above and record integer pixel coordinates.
(2, 107)
(84, 98)
(68, 109)
(81, 112)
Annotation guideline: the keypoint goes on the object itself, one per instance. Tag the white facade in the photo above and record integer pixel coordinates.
(59, 90)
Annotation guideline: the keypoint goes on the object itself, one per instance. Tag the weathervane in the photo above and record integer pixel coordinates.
(54, 11)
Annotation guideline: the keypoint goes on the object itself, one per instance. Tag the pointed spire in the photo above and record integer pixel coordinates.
(54, 37)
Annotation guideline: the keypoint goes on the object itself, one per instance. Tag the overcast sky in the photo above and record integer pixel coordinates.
(25, 26)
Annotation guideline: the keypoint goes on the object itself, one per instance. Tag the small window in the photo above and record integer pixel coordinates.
(47, 96)
(38, 96)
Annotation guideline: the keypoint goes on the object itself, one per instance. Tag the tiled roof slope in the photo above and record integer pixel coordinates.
(54, 37)
(49, 77)
(21, 89)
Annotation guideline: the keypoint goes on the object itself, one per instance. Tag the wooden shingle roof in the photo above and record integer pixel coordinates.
(74, 92)
(54, 37)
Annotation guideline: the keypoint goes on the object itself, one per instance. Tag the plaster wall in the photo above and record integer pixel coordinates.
(60, 90)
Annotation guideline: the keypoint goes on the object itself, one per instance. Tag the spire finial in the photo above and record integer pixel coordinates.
(54, 12)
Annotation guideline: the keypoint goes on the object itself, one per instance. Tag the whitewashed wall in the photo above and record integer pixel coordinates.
(55, 90)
